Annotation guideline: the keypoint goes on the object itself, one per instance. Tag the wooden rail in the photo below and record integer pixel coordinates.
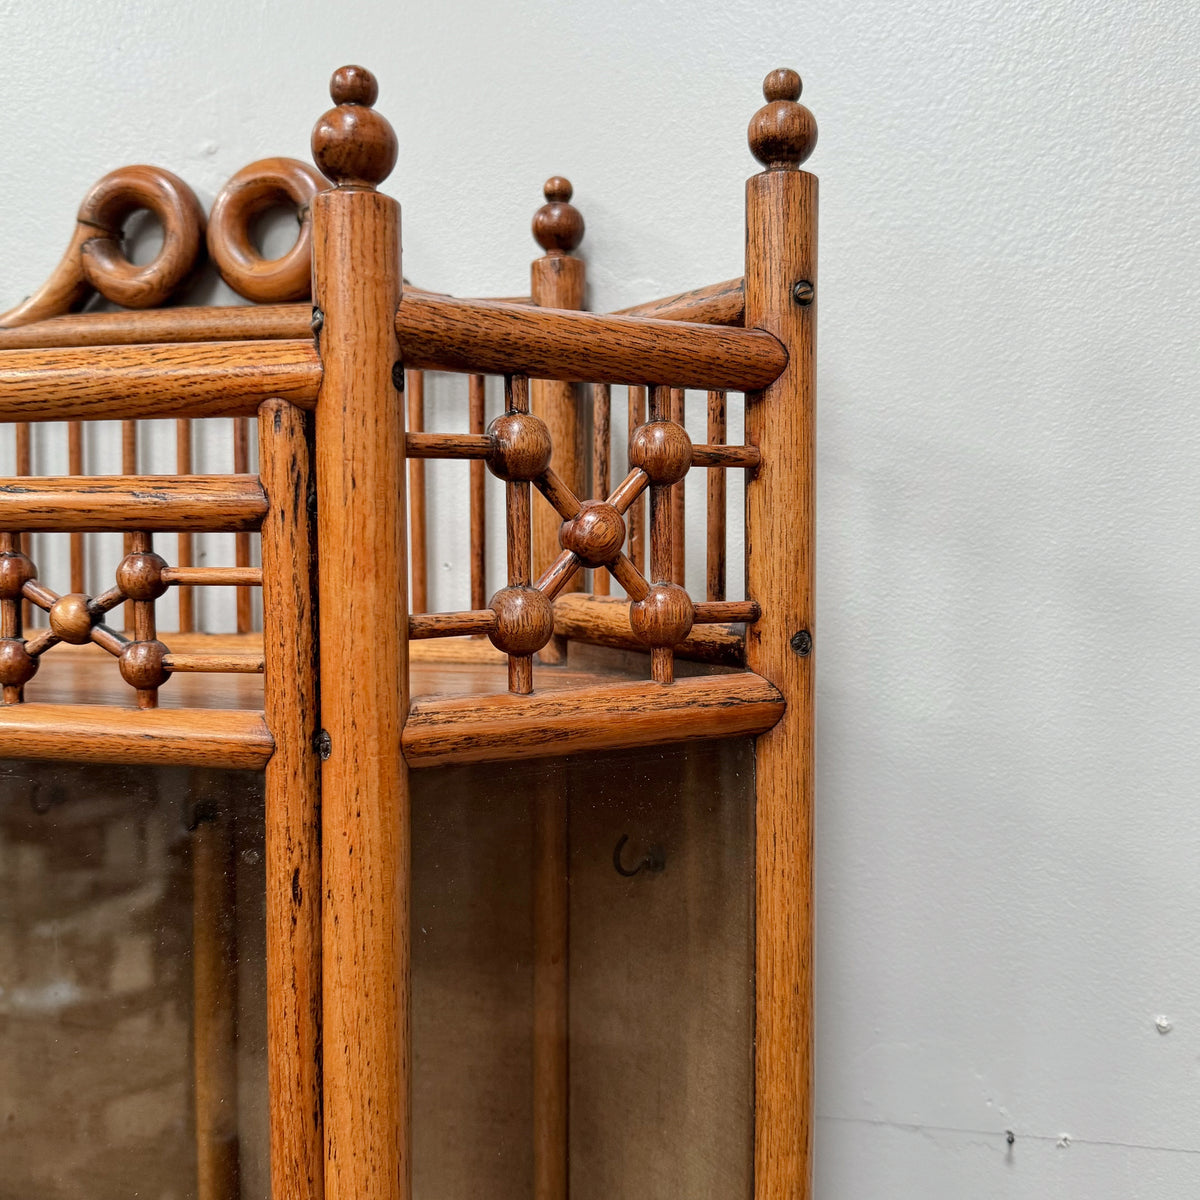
(113, 383)
(608, 717)
(464, 335)
(115, 503)
(717, 304)
(182, 737)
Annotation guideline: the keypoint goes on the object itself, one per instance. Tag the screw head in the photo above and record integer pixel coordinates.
(318, 319)
(324, 745)
(398, 376)
(801, 642)
(803, 293)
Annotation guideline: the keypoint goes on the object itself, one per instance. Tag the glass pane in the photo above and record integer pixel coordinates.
(660, 974)
(132, 982)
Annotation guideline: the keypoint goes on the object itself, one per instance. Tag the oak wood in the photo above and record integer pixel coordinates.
(444, 445)
(604, 621)
(637, 510)
(604, 717)
(241, 465)
(281, 322)
(476, 396)
(418, 533)
(198, 379)
(75, 467)
(213, 577)
(465, 335)
(601, 464)
(781, 208)
(715, 525)
(192, 737)
(216, 664)
(185, 548)
(716, 304)
(678, 509)
(293, 821)
(451, 624)
(100, 503)
(364, 695)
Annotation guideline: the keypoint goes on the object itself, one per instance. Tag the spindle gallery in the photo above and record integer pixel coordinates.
(448, 989)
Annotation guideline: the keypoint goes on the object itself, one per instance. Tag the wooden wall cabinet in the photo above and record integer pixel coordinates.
(357, 900)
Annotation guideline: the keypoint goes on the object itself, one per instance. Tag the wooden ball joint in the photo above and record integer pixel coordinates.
(16, 570)
(17, 665)
(782, 133)
(524, 620)
(352, 144)
(142, 666)
(521, 447)
(662, 449)
(71, 619)
(664, 616)
(140, 576)
(558, 224)
(596, 535)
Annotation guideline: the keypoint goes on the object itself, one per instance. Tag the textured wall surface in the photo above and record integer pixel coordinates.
(1009, 635)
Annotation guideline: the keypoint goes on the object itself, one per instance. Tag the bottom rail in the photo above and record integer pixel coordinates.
(607, 717)
(186, 737)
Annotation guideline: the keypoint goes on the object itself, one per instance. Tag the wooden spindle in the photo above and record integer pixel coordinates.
(363, 589)
(601, 464)
(637, 511)
(293, 807)
(478, 519)
(214, 988)
(185, 553)
(417, 523)
(16, 665)
(662, 548)
(717, 433)
(558, 280)
(142, 660)
(24, 466)
(241, 466)
(129, 466)
(678, 530)
(75, 467)
(781, 246)
(519, 537)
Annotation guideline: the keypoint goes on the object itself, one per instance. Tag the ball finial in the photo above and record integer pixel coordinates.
(558, 224)
(782, 133)
(352, 144)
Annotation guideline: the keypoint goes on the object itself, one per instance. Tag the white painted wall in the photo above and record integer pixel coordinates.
(1009, 843)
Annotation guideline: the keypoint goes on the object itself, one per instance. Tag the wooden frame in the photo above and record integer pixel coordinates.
(338, 496)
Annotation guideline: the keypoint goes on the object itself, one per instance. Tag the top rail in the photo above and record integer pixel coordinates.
(462, 335)
(210, 379)
(717, 304)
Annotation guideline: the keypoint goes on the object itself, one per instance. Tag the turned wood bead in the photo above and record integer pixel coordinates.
(663, 617)
(524, 620)
(596, 535)
(16, 570)
(558, 224)
(141, 664)
(71, 619)
(521, 447)
(139, 576)
(353, 144)
(17, 665)
(782, 133)
(662, 449)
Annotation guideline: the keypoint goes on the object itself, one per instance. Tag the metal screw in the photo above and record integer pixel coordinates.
(398, 376)
(318, 319)
(802, 643)
(324, 744)
(1009, 1136)
(803, 293)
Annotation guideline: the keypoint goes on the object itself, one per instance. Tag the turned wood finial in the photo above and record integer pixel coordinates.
(558, 224)
(353, 144)
(782, 133)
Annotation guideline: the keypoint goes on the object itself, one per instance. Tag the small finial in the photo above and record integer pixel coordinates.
(782, 133)
(558, 224)
(353, 144)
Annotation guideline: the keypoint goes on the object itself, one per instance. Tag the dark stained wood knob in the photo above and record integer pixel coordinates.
(596, 535)
(524, 620)
(664, 616)
(142, 666)
(662, 449)
(16, 570)
(353, 144)
(139, 576)
(71, 619)
(782, 133)
(521, 447)
(558, 224)
(17, 665)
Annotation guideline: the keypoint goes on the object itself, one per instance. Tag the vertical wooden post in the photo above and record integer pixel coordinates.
(557, 280)
(363, 569)
(293, 834)
(781, 265)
